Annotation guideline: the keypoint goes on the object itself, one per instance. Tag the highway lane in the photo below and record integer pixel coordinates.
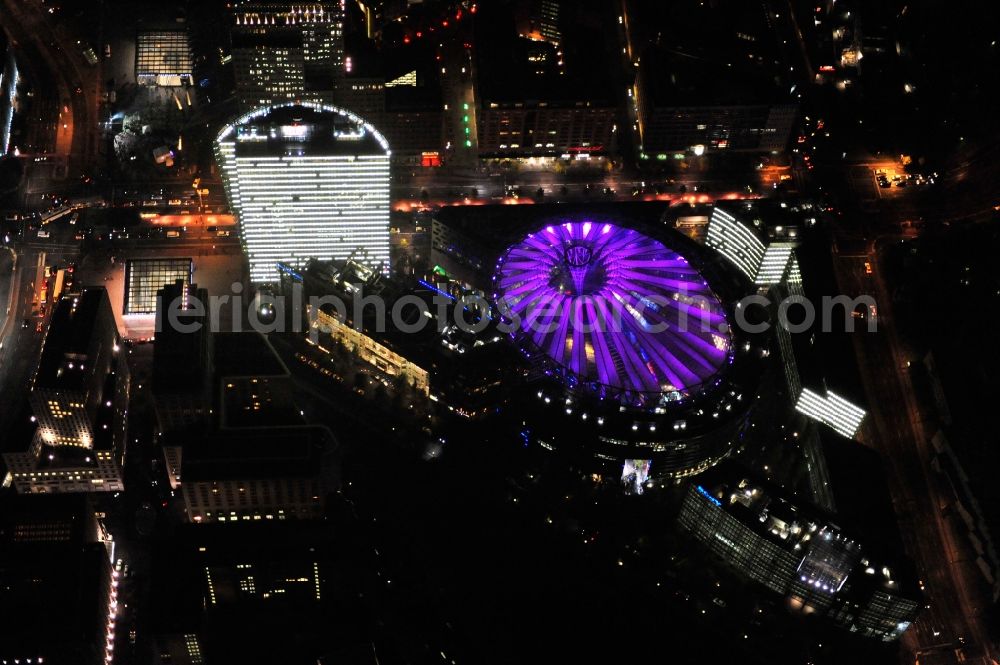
(76, 129)
(951, 629)
(21, 345)
(9, 286)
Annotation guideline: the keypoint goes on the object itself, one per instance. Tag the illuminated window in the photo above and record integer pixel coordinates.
(145, 277)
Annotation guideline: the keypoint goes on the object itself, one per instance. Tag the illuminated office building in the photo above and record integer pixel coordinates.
(79, 398)
(284, 51)
(145, 277)
(9, 80)
(832, 410)
(737, 241)
(252, 474)
(713, 87)
(56, 565)
(534, 102)
(794, 549)
(538, 20)
(306, 181)
(163, 58)
(765, 253)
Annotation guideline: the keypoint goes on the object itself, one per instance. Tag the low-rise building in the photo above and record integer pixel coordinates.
(798, 551)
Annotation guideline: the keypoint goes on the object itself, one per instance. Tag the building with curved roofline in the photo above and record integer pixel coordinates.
(627, 331)
(306, 180)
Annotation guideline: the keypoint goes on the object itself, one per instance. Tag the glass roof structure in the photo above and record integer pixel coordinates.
(613, 311)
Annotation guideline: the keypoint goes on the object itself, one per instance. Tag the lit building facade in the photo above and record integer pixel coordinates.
(9, 80)
(526, 129)
(306, 181)
(831, 410)
(737, 241)
(384, 360)
(536, 101)
(756, 128)
(539, 20)
(286, 50)
(634, 368)
(145, 277)
(768, 259)
(55, 565)
(415, 124)
(723, 99)
(766, 263)
(79, 398)
(404, 100)
(163, 58)
(795, 550)
(253, 474)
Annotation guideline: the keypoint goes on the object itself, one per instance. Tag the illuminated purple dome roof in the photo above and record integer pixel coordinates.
(615, 311)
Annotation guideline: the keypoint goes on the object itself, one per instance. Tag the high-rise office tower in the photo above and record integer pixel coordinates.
(76, 369)
(306, 181)
(79, 398)
(182, 357)
(539, 20)
(284, 50)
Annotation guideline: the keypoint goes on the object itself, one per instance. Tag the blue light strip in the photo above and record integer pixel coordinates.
(288, 271)
(704, 493)
(436, 289)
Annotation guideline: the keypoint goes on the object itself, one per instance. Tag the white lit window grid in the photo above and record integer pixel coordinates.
(794, 272)
(845, 418)
(248, 585)
(408, 79)
(211, 586)
(147, 276)
(193, 649)
(357, 192)
(226, 155)
(772, 267)
(162, 54)
(736, 242)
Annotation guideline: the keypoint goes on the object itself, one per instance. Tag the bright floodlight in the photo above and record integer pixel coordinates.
(614, 312)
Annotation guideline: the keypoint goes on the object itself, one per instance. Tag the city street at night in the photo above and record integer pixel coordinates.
(499, 331)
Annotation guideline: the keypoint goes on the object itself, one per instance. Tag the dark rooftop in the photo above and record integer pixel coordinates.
(180, 359)
(245, 354)
(511, 68)
(256, 453)
(304, 130)
(710, 53)
(66, 362)
(861, 490)
(679, 78)
(255, 626)
(53, 577)
(826, 359)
